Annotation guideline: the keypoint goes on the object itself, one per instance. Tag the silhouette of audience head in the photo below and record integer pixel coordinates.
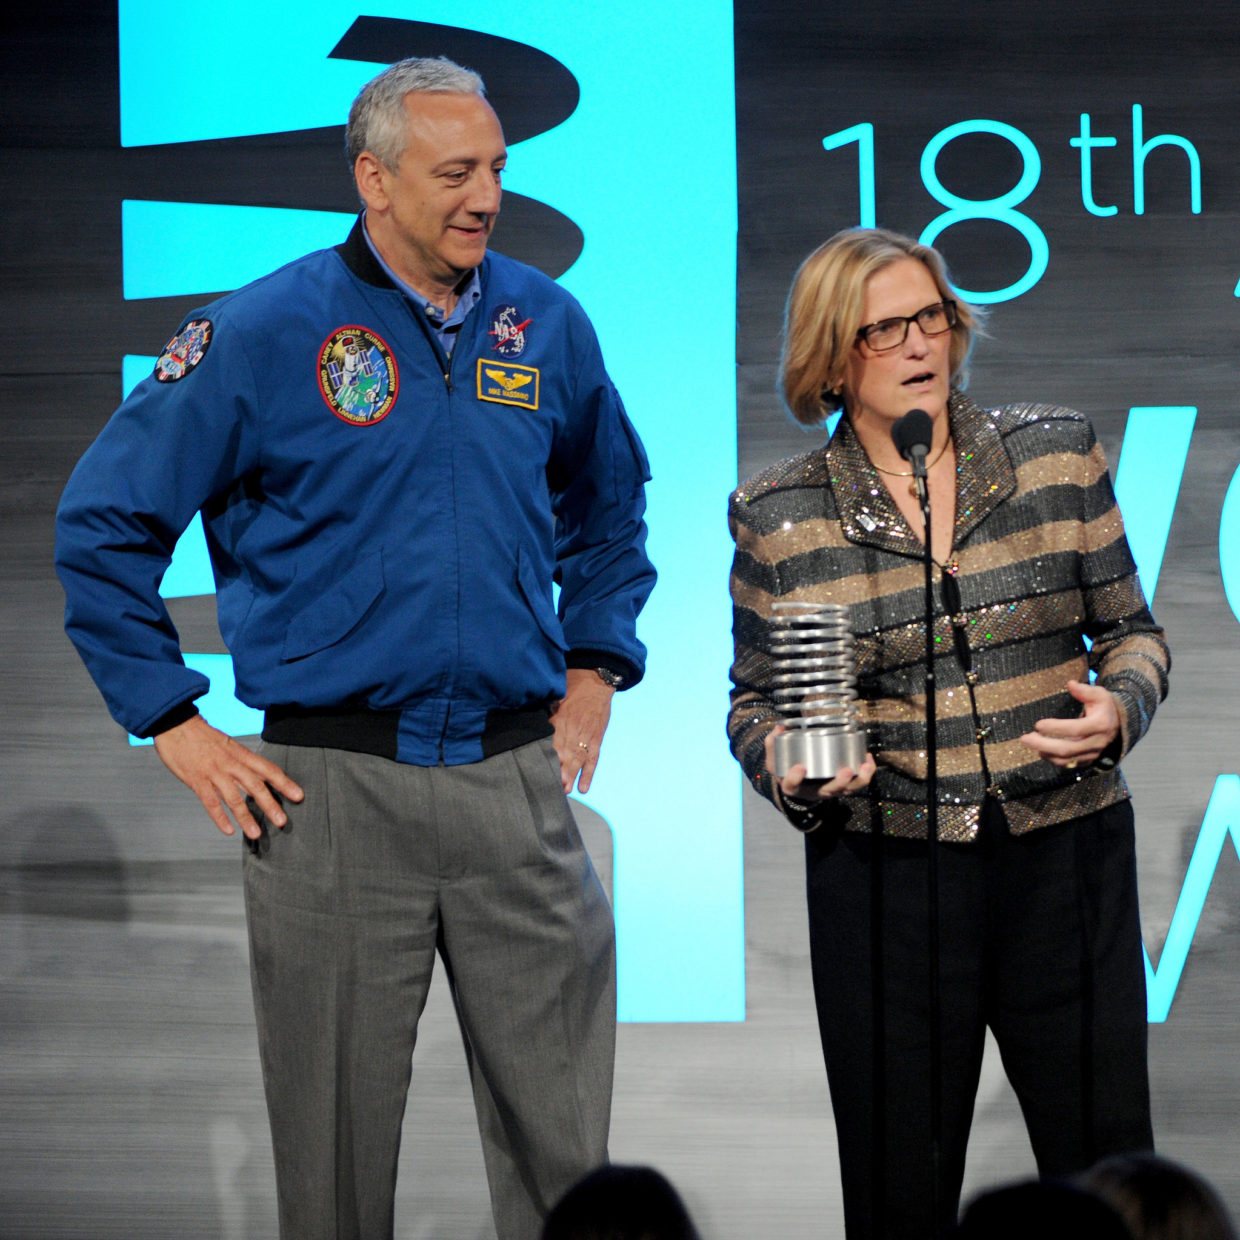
(1040, 1210)
(1159, 1199)
(620, 1203)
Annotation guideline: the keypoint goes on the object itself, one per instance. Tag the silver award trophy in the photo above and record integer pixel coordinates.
(815, 667)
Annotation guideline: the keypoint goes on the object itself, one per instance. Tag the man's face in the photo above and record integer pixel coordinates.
(431, 218)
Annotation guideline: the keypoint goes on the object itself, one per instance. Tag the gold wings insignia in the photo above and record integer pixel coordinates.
(509, 383)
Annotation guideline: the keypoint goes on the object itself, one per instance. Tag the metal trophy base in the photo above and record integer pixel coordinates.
(822, 751)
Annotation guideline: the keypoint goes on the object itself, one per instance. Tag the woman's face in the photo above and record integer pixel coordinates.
(914, 375)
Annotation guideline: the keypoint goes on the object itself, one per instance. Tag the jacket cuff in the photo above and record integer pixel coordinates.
(170, 719)
(1134, 719)
(590, 659)
(805, 816)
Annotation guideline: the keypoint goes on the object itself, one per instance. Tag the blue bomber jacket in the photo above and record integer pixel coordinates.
(385, 524)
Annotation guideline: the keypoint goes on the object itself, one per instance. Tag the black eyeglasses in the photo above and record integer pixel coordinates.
(887, 334)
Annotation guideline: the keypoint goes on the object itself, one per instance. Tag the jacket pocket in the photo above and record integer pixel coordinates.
(536, 593)
(335, 613)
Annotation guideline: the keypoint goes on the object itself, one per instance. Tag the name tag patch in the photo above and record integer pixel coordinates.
(507, 384)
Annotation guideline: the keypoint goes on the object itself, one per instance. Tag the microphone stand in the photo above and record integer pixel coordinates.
(918, 461)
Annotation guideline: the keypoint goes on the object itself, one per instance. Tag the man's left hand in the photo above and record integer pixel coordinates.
(1078, 742)
(580, 720)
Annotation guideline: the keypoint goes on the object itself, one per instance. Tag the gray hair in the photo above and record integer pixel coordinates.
(377, 120)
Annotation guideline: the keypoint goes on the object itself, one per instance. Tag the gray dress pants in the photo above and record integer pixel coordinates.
(380, 867)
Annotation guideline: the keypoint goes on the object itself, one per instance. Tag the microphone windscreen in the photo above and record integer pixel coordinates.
(914, 430)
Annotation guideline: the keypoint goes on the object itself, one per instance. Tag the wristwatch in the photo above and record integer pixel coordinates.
(608, 677)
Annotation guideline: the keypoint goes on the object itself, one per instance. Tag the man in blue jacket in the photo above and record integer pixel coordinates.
(397, 445)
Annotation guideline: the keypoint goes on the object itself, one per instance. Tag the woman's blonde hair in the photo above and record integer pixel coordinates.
(824, 314)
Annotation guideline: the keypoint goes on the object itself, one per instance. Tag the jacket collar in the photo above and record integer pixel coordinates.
(360, 260)
(869, 517)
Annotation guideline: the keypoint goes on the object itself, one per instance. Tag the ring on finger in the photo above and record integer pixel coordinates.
(1071, 764)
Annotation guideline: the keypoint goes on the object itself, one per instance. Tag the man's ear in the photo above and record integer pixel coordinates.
(368, 173)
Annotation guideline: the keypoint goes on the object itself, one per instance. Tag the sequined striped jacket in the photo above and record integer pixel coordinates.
(1041, 563)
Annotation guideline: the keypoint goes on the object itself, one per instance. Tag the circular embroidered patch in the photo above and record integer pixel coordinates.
(508, 331)
(358, 376)
(184, 351)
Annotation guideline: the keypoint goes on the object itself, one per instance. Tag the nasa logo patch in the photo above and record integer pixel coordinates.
(358, 376)
(508, 331)
(184, 351)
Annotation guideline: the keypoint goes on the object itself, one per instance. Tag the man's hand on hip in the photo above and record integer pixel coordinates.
(221, 773)
(580, 720)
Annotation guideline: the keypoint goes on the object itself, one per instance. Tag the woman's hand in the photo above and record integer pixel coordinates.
(1077, 742)
(794, 783)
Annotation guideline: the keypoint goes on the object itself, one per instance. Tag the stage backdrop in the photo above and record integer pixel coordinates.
(671, 165)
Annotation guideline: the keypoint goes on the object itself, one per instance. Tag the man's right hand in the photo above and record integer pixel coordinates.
(221, 773)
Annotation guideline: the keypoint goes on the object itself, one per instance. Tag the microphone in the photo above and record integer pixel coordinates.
(913, 434)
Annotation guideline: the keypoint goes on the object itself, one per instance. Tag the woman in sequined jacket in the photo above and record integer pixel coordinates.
(1036, 590)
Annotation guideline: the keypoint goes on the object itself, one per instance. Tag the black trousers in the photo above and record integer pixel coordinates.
(1039, 940)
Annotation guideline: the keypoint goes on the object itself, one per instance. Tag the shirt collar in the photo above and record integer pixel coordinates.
(466, 300)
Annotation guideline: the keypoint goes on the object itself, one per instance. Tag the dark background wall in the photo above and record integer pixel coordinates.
(130, 1102)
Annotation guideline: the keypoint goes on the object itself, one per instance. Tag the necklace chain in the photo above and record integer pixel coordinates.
(900, 473)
